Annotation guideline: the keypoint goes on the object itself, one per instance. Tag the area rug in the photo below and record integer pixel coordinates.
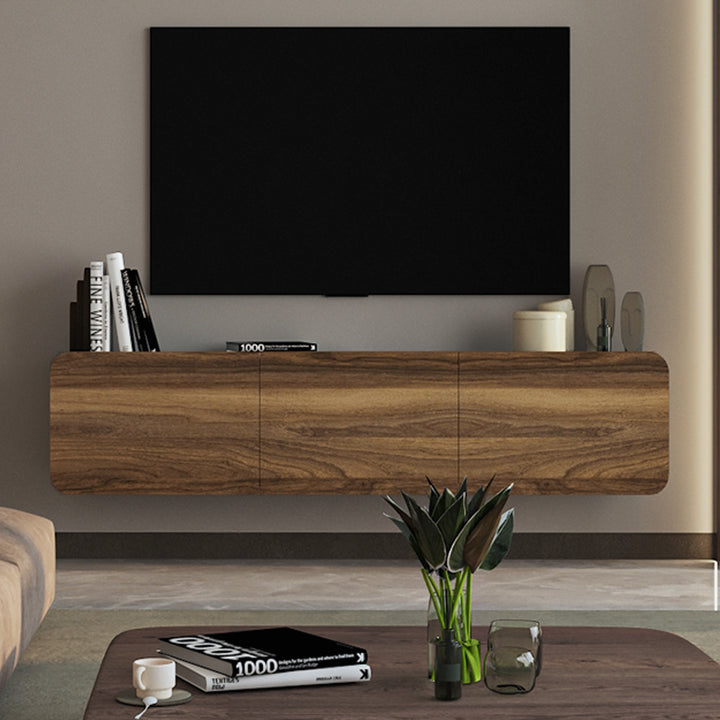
(56, 673)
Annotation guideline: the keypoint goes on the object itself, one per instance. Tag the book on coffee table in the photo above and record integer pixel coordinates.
(266, 651)
(209, 681)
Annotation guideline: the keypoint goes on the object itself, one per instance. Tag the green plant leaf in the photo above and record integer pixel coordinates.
(428, 535)
(480, 538)
(500, 545)
(405, 530)
(456, 555)
(411, 503)
(452, 520)
(455, 561)
(434, 496)
(444, 502)
(405, 517)
(462, 490)
(477, 499)
(414, 527)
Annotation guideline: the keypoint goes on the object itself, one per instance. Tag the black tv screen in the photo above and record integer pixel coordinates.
(360, 160)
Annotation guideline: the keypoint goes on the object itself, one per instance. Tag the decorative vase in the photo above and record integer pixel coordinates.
(434, 634)
(598, 283)
(632, 321)
(448, 666)
(453, 537)
(462, 626)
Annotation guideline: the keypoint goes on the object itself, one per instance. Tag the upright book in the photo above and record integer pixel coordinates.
(103, 305)
(80, 314)
(83, 298)
(97, 306)
(144, 321)
(138, 341)
(115, 265)
(264, 651)
(209, 681)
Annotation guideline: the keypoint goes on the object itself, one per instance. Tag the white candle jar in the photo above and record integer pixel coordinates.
(539, 330)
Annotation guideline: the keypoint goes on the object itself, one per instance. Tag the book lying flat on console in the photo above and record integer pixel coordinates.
(209, 681)
(269, 346)
(264, 651)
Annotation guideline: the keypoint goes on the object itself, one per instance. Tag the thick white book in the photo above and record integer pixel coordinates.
(115, 265)
(211, 681)
(97, 307)
(107, 315)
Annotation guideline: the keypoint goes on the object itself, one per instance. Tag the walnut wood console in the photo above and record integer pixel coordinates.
(357, 422)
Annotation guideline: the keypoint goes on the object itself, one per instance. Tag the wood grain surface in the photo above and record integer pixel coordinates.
(154, 423)
(365, 423)
(358, 422)
(559, 423)
(588, 673)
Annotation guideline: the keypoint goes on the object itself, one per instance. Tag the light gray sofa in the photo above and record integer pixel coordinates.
(27, 582)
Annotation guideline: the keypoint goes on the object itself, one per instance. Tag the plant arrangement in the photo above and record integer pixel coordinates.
(454, 536)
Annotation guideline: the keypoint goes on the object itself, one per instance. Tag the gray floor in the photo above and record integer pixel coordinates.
(58, 669)
(380, 585)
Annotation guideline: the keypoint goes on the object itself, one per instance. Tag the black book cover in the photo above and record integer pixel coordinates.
(269, 346)
(83, 309)
(145, 323)
(258, 652)
(132, 311)
(75, 327)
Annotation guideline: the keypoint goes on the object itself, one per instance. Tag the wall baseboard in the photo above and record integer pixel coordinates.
(373, 546)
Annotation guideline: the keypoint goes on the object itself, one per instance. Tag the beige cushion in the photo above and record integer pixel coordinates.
(10, 619)
(28, 542)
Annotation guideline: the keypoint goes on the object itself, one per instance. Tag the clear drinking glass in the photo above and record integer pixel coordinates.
(514, 656)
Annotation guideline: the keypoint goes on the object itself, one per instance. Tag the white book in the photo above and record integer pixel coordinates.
(115, 264)
(107, 315)
(97, 309)
(211, 681)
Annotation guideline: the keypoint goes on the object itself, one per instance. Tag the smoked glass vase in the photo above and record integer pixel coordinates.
(471, 660)
(448, 667)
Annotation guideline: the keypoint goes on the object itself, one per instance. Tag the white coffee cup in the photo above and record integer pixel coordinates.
(154, 677)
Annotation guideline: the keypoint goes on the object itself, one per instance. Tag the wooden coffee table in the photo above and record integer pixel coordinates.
(593, 673)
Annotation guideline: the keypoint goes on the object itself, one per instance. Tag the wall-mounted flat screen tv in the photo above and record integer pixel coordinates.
(360, 160)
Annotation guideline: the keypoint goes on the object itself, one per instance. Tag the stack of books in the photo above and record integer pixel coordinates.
(111, 301)
(264, 658)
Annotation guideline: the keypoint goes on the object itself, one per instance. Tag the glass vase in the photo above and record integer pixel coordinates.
(448, 666)
(434, 634)
(461, 625)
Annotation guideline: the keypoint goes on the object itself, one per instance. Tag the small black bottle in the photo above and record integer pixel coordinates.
(448, 667)
(603, 329)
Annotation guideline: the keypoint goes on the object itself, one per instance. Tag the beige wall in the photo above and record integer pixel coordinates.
(73, 186)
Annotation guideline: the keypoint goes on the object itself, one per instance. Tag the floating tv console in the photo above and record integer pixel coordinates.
(358, 422)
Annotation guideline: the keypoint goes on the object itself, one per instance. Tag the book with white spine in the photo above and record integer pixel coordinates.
(97, 307)
(107, 315)
(115, 265)
(210, 681)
